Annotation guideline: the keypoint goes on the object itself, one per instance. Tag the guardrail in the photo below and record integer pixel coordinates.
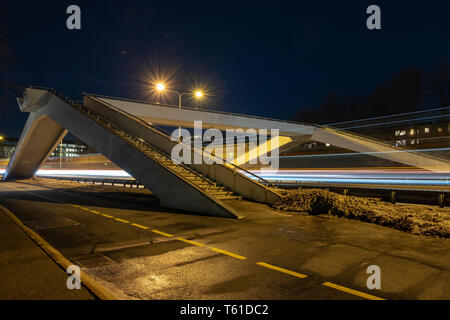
(391, 194)
(131, 182)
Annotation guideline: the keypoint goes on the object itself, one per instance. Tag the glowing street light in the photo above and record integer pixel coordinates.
(160, 86)
(1, 138)
(197, 94)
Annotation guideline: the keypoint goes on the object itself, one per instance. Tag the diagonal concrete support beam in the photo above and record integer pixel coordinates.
(39, 138)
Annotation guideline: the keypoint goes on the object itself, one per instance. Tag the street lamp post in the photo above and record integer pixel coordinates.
(179, 107)
(197, 94)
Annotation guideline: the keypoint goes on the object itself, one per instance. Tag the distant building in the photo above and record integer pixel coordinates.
(69, 150)
(66, 150)
(7, 147)
(427, 129)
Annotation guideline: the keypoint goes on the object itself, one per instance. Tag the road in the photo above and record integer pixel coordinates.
(142, 252)
(404, 179)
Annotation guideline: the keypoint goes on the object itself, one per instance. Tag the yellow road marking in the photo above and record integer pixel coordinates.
(140, 226)
(190, 242)
(351, 291)
(229, 254)
(292, 273)
(263, 264)
(162, 233)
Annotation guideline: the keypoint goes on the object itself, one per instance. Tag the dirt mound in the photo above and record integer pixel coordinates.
(417, 219)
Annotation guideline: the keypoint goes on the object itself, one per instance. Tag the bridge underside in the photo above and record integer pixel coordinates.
(291, 134)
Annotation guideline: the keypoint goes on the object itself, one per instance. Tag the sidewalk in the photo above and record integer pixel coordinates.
(27, 272)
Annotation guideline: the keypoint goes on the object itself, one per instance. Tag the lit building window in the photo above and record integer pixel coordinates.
(439, 129)
(411, 132)
(400, 143)
(426, 130)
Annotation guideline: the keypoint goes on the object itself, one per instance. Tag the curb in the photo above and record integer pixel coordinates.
(91, 285)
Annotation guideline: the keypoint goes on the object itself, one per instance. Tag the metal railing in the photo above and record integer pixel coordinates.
(139, 142)
(198, 109)
(236, 168)
(168, 135)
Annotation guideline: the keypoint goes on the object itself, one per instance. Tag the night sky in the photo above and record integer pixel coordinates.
(262, 58)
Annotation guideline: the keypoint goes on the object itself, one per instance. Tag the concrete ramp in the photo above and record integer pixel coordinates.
(226, 174)
(140, 150)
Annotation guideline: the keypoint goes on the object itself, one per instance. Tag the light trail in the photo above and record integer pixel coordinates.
(395, 122)
(368, 177)
(361, 153)
(313, 176)
(84, 173)
(390, 116)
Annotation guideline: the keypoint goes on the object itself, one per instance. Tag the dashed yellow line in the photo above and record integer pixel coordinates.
(162, 233)
(236, 256)
(351, 291)
(290, 272)
(140, 226)
(191, 242)
(229, 254)
(263, 264)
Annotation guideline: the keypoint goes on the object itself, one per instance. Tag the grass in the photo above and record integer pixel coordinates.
(416, 219)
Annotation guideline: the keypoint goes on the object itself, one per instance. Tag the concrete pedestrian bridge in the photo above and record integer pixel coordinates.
(125, 132)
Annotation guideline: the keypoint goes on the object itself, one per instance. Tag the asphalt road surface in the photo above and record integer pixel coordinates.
(143, 252)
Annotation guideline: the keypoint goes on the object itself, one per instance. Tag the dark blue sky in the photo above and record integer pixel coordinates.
(264, 58)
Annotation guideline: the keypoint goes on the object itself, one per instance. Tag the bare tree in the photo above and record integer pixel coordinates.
(440, 83)
(402, 93)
